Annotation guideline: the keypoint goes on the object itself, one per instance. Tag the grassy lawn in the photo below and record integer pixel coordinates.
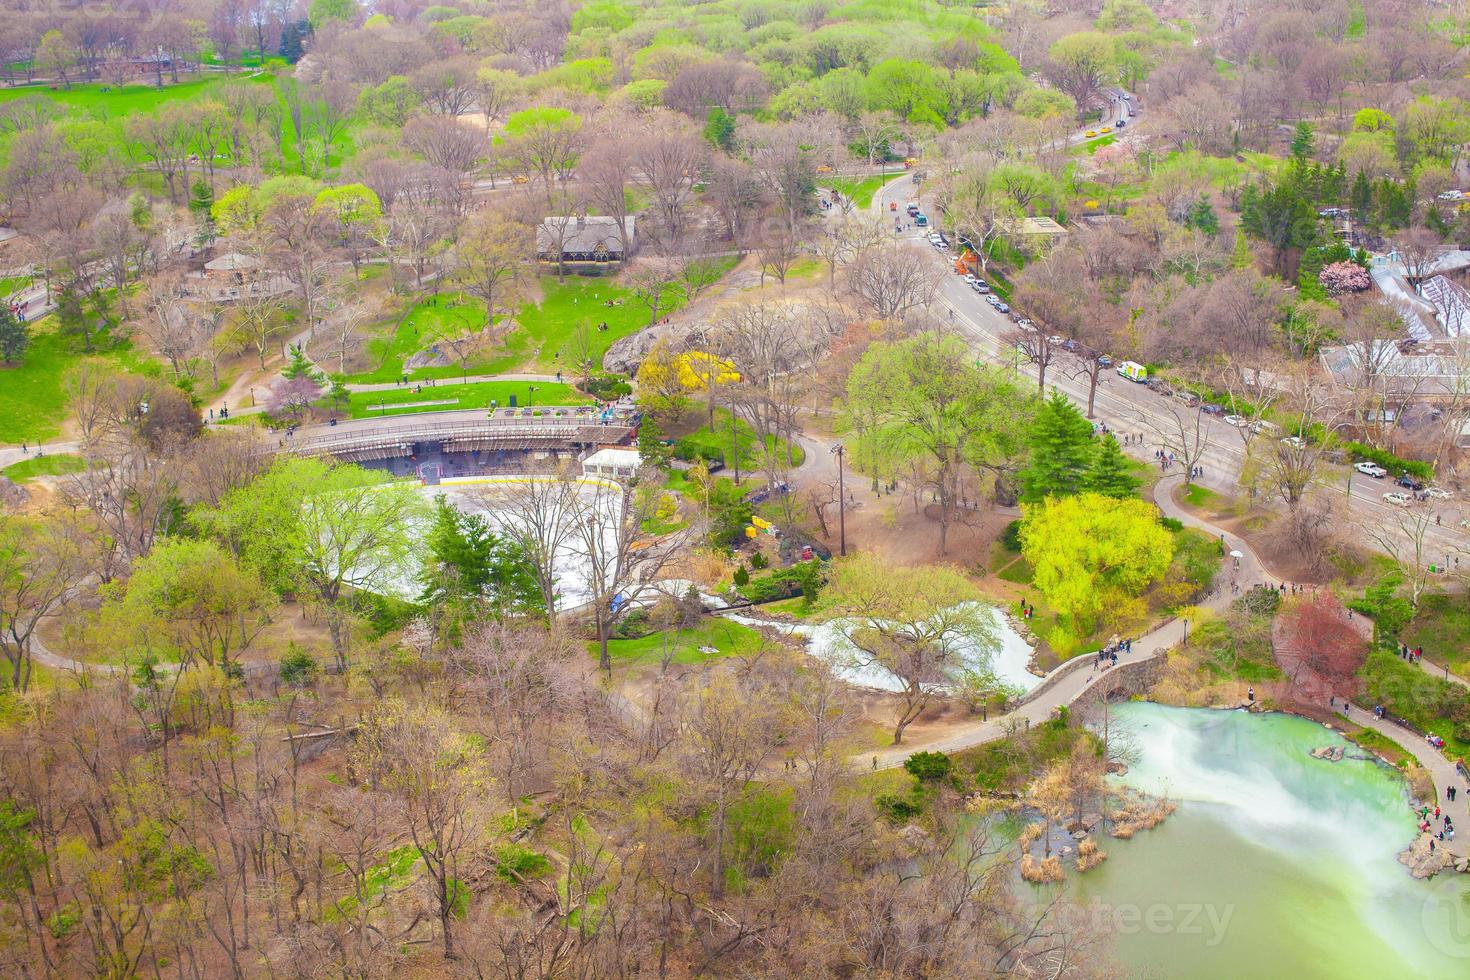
(57, 465)
(544, 338)
(1442, 628)
(32, 396)
(1428, 702)
(111, 104)
(1198, 496)
(860, 190)
(729, 639)
(13, 284)
(712, 444)
(431, 317)
(475, 395)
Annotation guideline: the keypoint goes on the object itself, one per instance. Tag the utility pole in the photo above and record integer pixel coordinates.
(841, 452)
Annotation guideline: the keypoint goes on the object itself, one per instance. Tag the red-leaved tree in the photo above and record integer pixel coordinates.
(1319, 648)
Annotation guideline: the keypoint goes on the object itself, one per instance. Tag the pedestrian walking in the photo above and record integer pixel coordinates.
(1251, 694)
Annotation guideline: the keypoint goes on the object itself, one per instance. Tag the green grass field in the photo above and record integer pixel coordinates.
(111, 104)
(32, 395)
(544, 338)
(707, 443)
(860, 189)
(475, 395)
(57, 465)
(730, 639)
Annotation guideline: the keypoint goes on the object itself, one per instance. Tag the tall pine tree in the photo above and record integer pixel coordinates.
(1061, 451)
(1109, 473)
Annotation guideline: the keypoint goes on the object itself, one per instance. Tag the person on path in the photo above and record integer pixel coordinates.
(1251, 693)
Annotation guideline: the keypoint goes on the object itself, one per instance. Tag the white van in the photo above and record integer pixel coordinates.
(1133, 371)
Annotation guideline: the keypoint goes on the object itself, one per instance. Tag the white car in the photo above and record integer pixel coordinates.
(1233, 420)
(1437, 493)
(993, 300)
(970, 279)
(1002, 307)
(1397, 499)
(1261, 425)
(1295, 442)
(981, 287)
(1371, 469)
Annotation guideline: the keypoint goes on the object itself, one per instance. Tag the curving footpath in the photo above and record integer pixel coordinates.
(1071, 681)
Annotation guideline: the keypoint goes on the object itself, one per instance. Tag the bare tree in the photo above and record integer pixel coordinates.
(654, 282)
(893, 280)
(1182, 432)
(543, 513)
(621, 561)
(40, 567)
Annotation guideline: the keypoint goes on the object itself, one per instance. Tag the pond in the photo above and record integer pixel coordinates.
(1275, 864)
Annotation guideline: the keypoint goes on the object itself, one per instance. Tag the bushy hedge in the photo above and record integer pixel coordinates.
(1414, 467)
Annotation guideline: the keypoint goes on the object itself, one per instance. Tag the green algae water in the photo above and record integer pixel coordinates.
(1275, 864)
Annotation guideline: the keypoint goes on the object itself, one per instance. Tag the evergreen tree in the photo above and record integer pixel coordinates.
(471, 567)
(1061, 451)
(1202, 216)
(1360, 198)
(719, 129)
(1109, 474)
(1304, 143)
(651, 448)
(299, 367)
(15, 337)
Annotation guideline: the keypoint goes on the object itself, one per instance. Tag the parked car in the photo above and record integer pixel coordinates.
(1295, 442)
(1213, 409)
(992, 299)
(980, 287)
(1069, 345)
(1105, 361)
(1409, 483)
(1091, 133)
(1397, 499)
(1371, 469)
(1438, 493)
(1261, 425)
(1002, 307)
(1233, 420)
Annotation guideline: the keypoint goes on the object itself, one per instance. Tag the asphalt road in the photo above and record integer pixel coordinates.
(1135, 408)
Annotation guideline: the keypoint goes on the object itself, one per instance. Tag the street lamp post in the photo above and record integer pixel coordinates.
(841, 452)
(530, 395)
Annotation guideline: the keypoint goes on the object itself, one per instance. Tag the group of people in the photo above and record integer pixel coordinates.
(1412, 654)
(1027, 609)
(1108, 655)
(18, 310)
(1434, 740)
(1447, 826)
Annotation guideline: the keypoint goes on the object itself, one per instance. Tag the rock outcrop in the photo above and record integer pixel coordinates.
(1425, 858)
(1328, 753)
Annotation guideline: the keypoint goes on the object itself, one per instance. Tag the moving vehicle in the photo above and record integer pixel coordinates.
(921, 220)
(912, 208)
(1106, 129)
(1371, 469)
(1397, 499)
(1409, 483)
(1133, 371)
(1437, 493)
(1105, 361)
(1091, 133)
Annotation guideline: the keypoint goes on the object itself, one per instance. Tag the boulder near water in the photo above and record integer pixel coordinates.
(1424, 861)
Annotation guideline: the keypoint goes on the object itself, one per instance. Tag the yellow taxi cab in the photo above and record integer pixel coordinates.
(824, 169)
(1091, 133)
(520, 179)
(1106, 129)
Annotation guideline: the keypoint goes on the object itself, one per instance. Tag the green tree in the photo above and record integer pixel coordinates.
(323, 529)
(1109, 473)
(1093, 553)
(719, 129)
(1304, 141)
(1202, 216)
(298, 366)
(1060, 451)
(15, 337)
(920, 624)
(926, 402)
(391, 103)
(1081, 63)
(471, 569)
(187, 598)
(322, 11)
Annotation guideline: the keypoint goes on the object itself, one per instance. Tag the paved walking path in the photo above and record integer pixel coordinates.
(1441, 770)
(1077, 680)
